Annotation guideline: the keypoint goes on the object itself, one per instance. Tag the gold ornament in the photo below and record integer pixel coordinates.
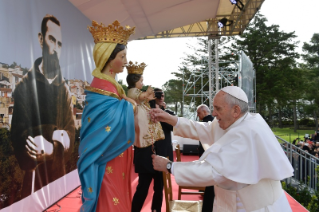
(109, 170)
(135, 68)
(113, 33)
(115, 200)
(108, 129)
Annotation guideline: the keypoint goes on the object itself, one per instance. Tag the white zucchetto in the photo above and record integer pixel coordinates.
(236, 92)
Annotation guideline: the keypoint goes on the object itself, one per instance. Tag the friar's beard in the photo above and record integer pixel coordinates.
(51, 66)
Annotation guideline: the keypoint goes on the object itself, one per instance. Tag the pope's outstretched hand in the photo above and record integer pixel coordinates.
(158, 114)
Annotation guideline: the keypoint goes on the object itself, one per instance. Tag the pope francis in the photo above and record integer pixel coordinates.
(244, 162)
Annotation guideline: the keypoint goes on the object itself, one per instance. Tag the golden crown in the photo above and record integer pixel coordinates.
(135, 68)
(113, 33)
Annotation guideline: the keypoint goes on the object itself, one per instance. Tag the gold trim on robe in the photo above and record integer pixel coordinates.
(103, 92)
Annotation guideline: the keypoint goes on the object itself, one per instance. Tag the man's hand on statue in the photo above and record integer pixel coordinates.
(38, 147)
(159, 163)
(63, 137)
(162, 116)
(158, 114)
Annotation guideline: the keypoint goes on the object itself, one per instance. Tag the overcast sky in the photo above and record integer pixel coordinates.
(163, 56)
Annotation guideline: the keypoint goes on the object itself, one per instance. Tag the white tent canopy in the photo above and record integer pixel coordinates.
(171, 18)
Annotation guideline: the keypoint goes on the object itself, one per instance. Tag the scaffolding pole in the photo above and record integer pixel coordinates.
(210, 73)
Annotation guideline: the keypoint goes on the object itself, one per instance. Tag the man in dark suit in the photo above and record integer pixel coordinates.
(204, 115)
(143, 162)
(164, 147)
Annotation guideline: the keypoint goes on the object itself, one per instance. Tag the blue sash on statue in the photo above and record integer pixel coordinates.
(107, 131)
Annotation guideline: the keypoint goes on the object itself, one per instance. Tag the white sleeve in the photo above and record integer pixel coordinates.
(177, 123)
(202, 131)
(196, 173)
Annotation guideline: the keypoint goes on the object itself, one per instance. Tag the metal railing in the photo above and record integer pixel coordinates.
(304, 165)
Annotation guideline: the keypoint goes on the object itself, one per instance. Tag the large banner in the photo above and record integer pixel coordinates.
(45, 62)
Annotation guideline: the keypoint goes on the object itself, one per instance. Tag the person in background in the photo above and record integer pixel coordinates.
(295, 141)
(204, 115)
(163, 147)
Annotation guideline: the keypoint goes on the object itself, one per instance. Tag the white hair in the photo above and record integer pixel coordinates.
(203, 107)
(232, 101)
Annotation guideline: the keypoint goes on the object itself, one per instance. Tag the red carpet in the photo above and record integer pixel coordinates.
(72, 202)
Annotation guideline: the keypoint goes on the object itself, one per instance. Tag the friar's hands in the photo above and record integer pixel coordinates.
(63, 137)
(159, 163)
(38, 147)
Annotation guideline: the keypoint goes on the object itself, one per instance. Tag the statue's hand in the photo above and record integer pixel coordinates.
(150, 90)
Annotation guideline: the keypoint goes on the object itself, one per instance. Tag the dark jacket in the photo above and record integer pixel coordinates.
(200, 147)
(164, 147)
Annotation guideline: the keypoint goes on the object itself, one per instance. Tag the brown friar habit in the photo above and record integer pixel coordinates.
(40, 108)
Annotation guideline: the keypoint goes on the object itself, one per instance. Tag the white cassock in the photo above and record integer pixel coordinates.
(245, 163)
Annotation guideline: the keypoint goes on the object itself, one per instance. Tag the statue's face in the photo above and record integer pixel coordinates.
(139, 84)
(119, 62)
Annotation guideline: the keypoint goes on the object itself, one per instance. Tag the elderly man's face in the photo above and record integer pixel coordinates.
(51, 43)
(223, 112)
(201, 113)
(53, 39)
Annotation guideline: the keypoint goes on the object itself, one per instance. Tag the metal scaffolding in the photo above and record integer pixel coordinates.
(218, 77)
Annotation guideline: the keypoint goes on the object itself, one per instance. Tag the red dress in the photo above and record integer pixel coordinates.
(115, 194)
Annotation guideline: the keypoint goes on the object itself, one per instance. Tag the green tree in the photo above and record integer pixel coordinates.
(311, 55)
(11, 176)
(123, 85)
(13, 65)
(174, 94)
(311, 58)
(189, 75)
(273, 55)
